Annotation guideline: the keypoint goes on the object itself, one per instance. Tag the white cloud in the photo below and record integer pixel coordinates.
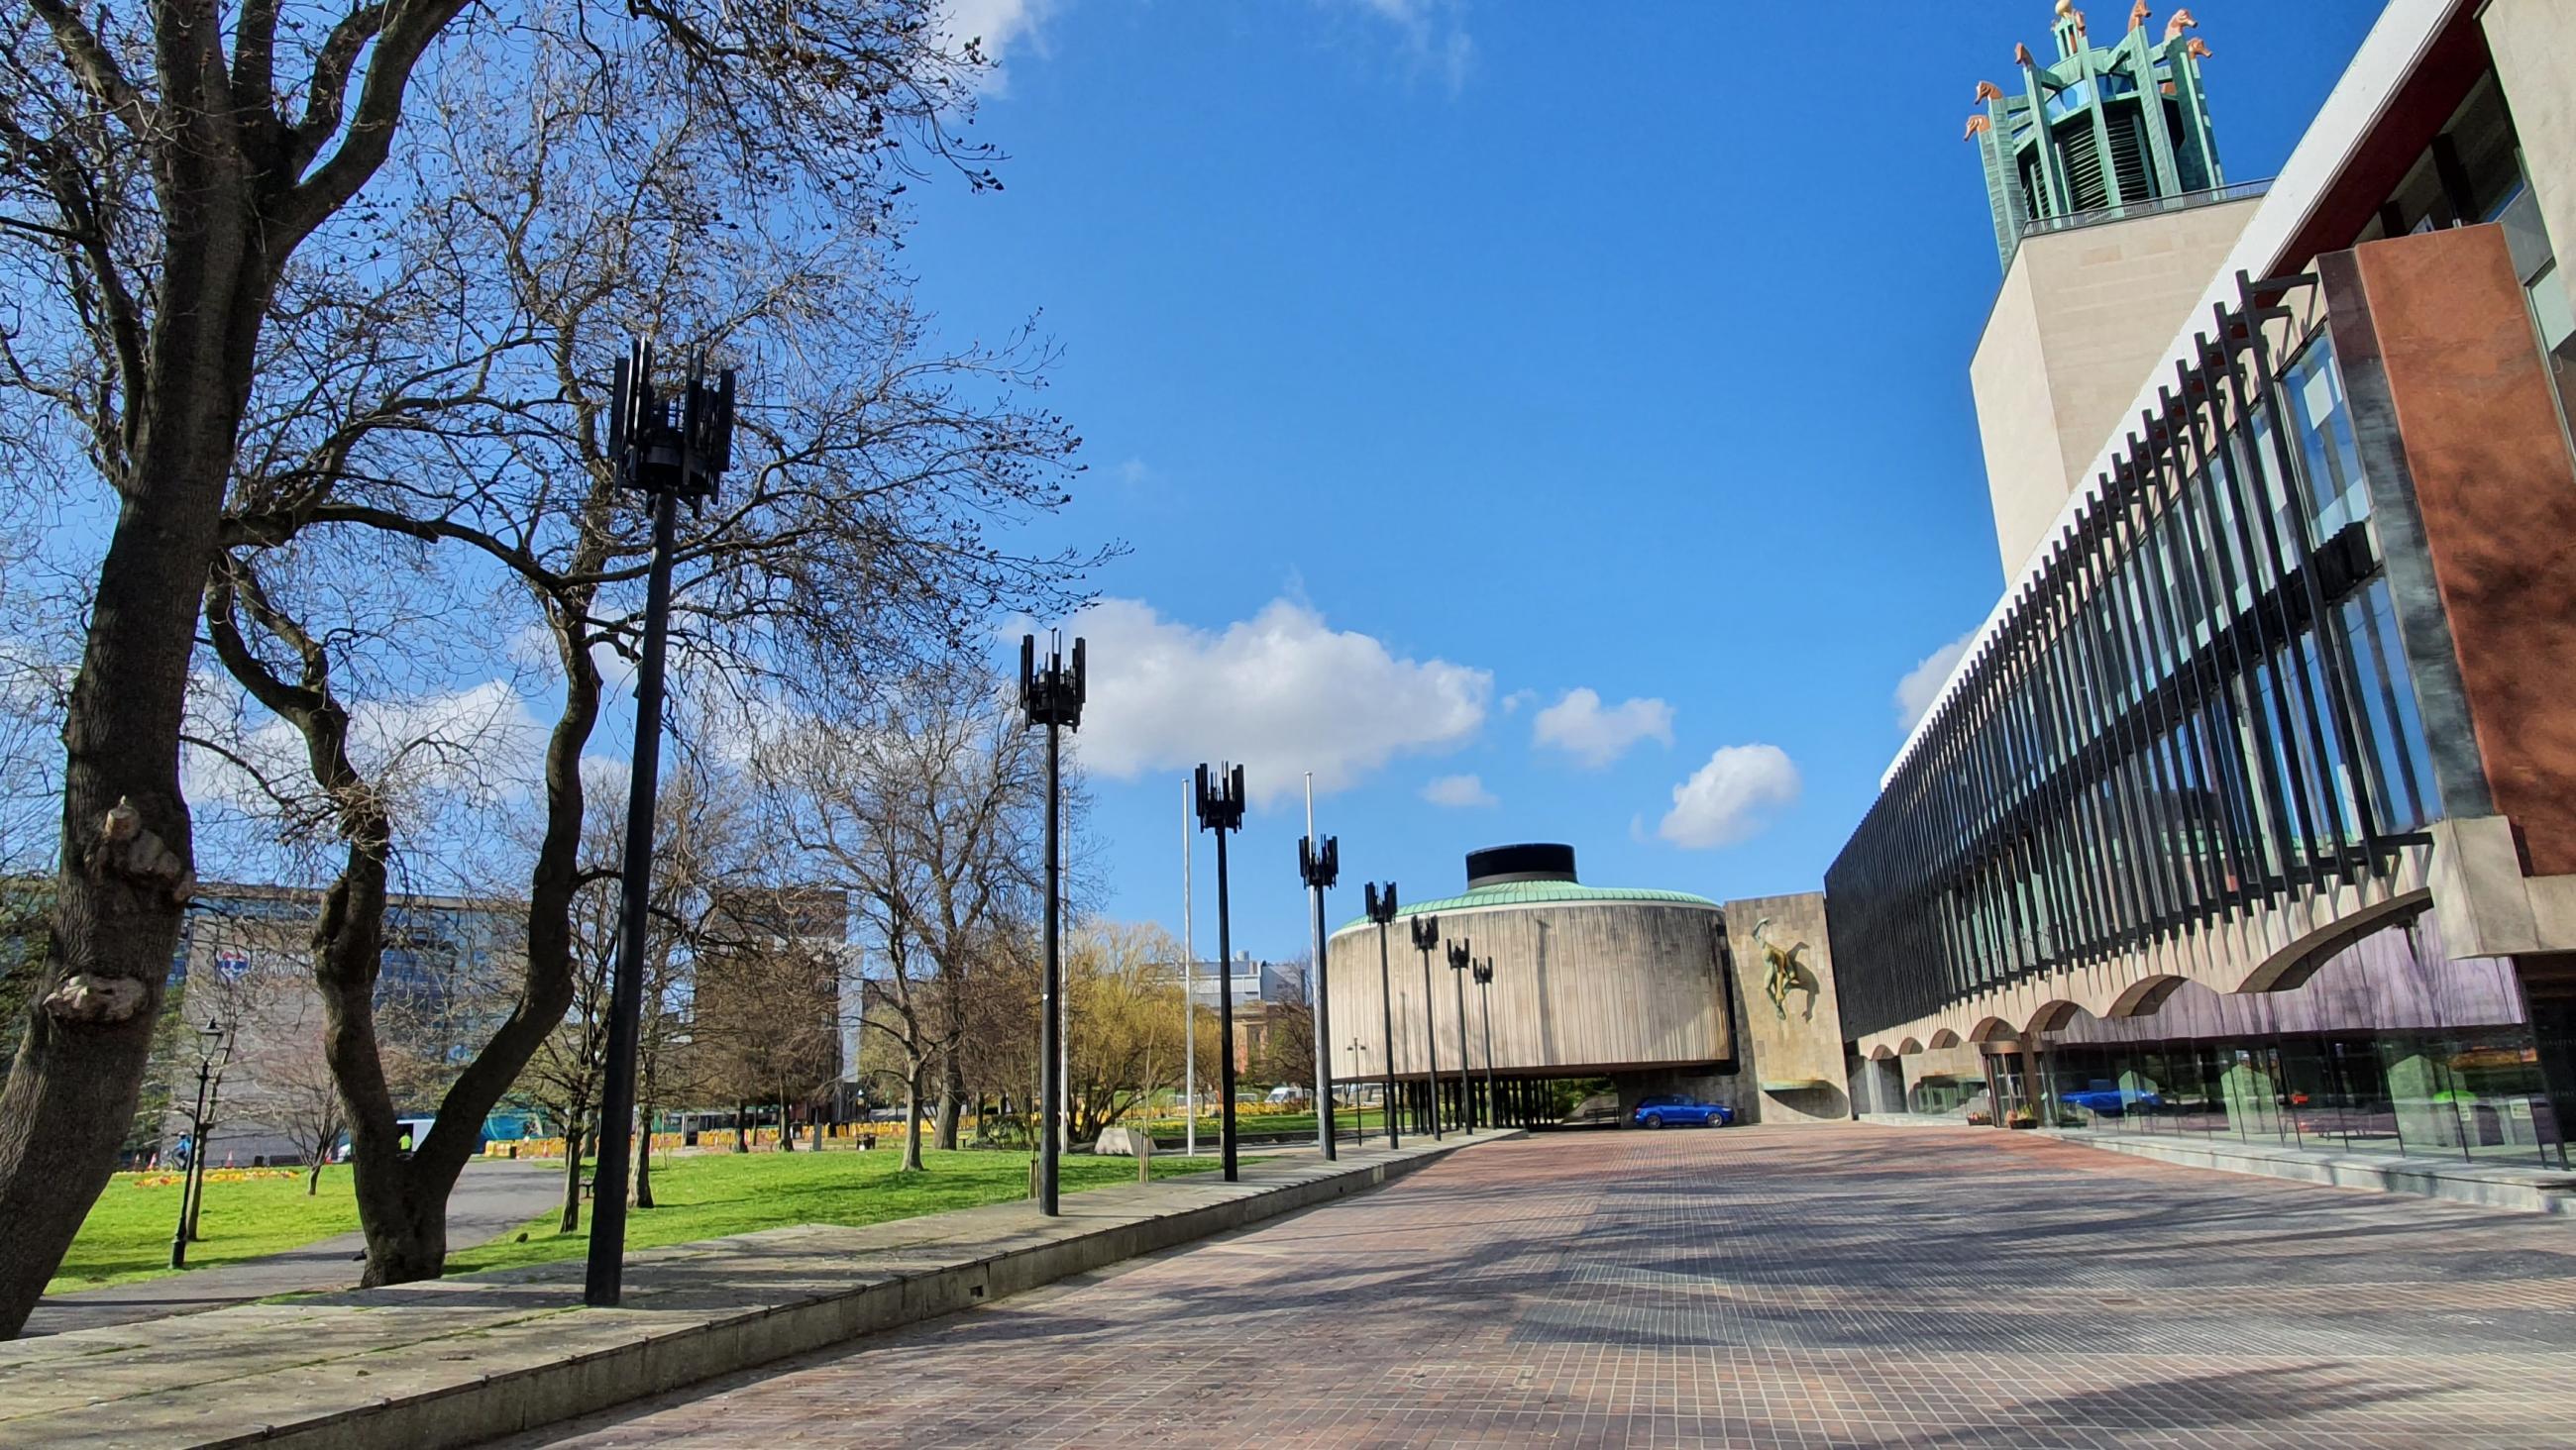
(1577, 725)
(1513, 702)
(999, 25)
(1460, 792)
(1922, 684)
(1727, 800)
(1281, 693)
(1432, 36)
(479, 745)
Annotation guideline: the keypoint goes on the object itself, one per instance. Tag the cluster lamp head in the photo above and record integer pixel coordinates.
(1220, 798)
(1381, 909)
(1426, 933)
(1319, 867)
(653, 452)
(1051, 696)
(1459, 957)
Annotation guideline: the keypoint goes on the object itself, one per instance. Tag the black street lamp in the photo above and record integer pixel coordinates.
(1381, 910)
(1426, 939)
(1053, 698)
(1320, 868)
(1220, 806)
(667, 459)
(1459, 961)
(1484, 974)
(214, 1049)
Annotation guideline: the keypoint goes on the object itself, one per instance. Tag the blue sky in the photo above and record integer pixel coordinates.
(1438, 360)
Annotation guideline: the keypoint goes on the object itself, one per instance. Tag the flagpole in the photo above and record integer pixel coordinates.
(1189, 990)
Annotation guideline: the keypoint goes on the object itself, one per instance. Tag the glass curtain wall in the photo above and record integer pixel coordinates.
(2474, 1095)
(2198, 704)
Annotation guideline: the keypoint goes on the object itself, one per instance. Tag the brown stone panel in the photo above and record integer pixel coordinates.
(2497, 496)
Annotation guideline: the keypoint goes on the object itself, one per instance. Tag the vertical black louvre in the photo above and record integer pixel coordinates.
(2163, 728)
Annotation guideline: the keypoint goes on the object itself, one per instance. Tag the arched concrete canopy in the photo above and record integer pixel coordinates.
(1882, 1053)
(2142, 997)
(1992, 1029)
(1945, 1038)
(2051, 1016)
(2292, 966)
(1910, 1046)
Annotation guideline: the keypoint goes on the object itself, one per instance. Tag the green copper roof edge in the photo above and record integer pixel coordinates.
(1542, 893)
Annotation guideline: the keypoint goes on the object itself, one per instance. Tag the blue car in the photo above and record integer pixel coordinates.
(1680, 1112)
(2111, 1102)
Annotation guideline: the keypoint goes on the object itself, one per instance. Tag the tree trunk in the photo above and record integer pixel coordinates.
(741, 1126)
(644, 1162)
(402, 1195)
(912, 1115)
(313, 1180)
(786, 1125)
(572, 1175)
(123, 882)
(952, 1097)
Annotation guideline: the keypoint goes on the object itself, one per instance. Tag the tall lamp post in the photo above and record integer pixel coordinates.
(1053, 698)
(1381, 910)
(214, 1049)
(1459, 962)
(1484, 974)
(1220, 803)
(1320, 866)
(666, 458)
(1426, 940)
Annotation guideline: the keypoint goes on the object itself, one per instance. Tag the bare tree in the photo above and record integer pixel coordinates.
(768, 997)
(296, 1095)
(176, 198)
(925, 810)
(1287, 1038)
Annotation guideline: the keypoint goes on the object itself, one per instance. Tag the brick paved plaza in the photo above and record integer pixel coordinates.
(1827, 1287)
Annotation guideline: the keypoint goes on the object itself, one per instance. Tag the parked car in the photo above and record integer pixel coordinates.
(1674, 1110)
(2111, 1102)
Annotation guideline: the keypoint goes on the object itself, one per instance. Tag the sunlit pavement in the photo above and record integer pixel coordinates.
(1834, 1286)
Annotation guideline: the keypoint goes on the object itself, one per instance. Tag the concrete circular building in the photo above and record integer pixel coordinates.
(1589, 981)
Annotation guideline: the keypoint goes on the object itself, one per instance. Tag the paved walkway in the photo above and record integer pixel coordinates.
(492, 1197)
(1797, 1287)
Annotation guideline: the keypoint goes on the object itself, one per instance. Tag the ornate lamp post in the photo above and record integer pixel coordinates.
(1459, 961)
(1220, 804)
(1484, 974)
(214, 1049)
(1426, 939)
(1381, 910)
(1052, 697)
(667, 459)
(1321, 866)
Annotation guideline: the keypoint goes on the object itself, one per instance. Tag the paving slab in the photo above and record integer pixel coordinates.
(458, 1360)
(1810, 1287)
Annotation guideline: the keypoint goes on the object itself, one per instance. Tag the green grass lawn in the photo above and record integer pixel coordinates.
(127, 1234)
(712, 1195)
